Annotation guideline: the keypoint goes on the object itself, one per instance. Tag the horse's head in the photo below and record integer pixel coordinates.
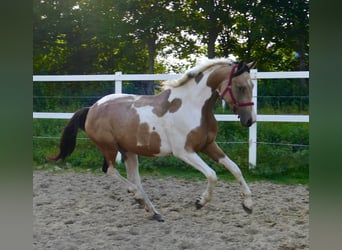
(237, 92)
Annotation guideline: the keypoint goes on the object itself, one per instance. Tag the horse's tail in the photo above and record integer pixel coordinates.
(68, 139)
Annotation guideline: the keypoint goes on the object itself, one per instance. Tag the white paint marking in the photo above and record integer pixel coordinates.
(110, 97)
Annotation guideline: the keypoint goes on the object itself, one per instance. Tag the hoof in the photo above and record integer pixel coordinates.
(140, 202)
(247, 209)
(198, 204)
(158, 218)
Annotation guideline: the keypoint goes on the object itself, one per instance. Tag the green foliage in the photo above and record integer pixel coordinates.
(68, 97)
(92, 37)
(289, 96)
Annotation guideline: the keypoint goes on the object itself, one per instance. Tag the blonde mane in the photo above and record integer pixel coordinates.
(201, 66)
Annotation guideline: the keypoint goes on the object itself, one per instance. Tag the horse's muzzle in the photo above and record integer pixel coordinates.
(248, 123)
(247, 120)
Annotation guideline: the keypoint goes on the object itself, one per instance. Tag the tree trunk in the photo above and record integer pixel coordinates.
(151, 45)
(301, 51)
(213, 33)
(302, 64)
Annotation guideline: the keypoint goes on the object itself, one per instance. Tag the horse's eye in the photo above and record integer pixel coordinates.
(241, 89)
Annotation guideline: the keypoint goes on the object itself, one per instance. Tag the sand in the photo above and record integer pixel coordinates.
(91, 211)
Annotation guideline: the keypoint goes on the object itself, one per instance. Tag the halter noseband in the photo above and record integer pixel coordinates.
(228, 89)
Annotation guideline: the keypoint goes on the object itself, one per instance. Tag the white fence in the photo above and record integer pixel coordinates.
(118, 78)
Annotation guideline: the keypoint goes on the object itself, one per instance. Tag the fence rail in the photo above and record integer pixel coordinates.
(219, 117)
(118, 77)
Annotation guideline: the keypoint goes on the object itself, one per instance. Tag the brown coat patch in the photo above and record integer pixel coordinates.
(217, 77)
(213, 151)
(147, 141)
(160, 103)
(175, 105)
(205, 134)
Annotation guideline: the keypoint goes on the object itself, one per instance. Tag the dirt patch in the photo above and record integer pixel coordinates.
(87, 211)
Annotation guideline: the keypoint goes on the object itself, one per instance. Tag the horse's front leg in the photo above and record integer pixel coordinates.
(194, 160)
(214, 152)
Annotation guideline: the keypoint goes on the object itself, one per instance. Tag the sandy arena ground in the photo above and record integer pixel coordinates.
(87, 211)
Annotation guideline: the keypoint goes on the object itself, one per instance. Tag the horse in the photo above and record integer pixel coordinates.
(178, 121)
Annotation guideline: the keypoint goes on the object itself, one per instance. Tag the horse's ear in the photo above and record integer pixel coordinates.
(251, 65)
(241, 63)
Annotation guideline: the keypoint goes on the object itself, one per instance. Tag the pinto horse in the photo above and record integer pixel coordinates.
(178, 121)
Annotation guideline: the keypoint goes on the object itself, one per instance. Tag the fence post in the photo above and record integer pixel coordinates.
(118, 84)
(252, 152)
(118, 90)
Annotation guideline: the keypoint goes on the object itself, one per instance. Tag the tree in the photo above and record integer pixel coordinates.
(274, 32)
(83, 37)
(207, 19)
(103, 36)
(150, 22)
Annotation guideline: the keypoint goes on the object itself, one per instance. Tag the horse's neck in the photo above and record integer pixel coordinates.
(193, 93)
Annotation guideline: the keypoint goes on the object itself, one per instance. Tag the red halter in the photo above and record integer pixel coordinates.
(228, 89)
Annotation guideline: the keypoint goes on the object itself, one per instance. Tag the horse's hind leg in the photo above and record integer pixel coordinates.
(214, 152)
(110, 156)
(131, 163)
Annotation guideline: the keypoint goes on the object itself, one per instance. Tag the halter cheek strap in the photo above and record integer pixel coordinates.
(229, 89)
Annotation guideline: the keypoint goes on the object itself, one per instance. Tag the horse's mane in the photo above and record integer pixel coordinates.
(201, 66)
